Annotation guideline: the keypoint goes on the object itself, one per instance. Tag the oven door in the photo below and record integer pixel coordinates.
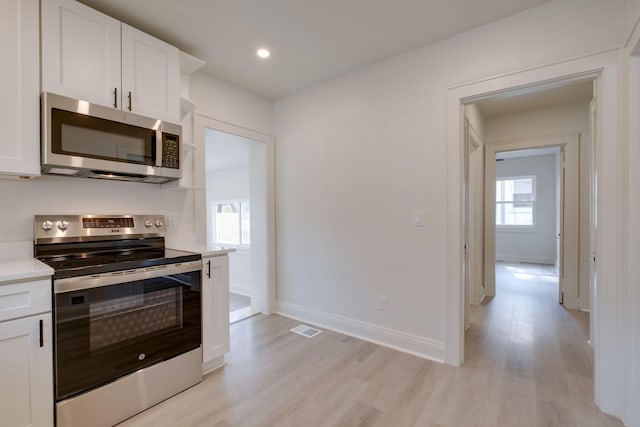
(112, 324)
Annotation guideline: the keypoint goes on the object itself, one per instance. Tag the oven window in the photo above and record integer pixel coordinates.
(81, 135)
(132, 316)
(104, 333)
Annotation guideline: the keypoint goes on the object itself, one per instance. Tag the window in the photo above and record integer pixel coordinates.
(231, 222)
(515, 201)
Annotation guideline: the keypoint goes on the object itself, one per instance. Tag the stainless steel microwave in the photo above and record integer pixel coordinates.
(91, 141)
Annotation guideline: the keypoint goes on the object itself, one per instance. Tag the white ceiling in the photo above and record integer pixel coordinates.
(517, 102)
(310, 41)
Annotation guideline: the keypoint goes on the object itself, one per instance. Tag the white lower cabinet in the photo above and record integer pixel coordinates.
(215, 311)
(26, 389)
(26, 359)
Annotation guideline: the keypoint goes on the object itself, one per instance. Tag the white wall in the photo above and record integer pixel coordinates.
(556, 121)
(64, 195)
(539, 243)
(357, 154)
(229, 103)
(228, 184)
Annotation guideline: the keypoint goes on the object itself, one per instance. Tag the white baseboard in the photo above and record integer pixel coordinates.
(479, 301)
(212, 365)
(240, 290)
(525, 258)
(425, 348)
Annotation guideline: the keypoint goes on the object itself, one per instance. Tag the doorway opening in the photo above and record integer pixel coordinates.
(229, 200)
(607, 328)
(531, 193)
(238, 207)
(529, 217)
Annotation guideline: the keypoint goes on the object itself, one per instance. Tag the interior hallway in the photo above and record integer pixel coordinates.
(527, 364)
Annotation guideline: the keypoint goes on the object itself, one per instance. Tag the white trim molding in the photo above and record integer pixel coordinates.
(415, 345)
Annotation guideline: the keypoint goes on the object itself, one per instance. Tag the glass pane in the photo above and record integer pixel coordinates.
(516, 213)
(510, 190)
(228, 223)
(523, 185)
(120, 319)
(246, 223)
(77, 134)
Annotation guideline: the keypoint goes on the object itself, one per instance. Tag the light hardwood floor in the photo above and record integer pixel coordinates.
(527, 364)
(238, 302)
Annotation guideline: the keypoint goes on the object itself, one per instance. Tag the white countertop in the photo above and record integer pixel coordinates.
(204, 250)
(21, 269)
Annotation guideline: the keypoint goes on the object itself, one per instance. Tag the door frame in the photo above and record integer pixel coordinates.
(267, 297)
(473, 141)
(570, 232)
(608, 306)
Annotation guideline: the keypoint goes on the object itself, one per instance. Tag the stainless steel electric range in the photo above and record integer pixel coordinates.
(127, 316)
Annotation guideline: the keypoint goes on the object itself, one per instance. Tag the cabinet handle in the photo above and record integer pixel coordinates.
(129, 96)
(115, 97)
(41, 333)
(209, 269)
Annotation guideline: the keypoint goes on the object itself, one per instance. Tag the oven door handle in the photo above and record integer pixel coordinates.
(113, 278)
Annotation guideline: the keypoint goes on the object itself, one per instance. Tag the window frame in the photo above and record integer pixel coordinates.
(214, 209)
(534, 202)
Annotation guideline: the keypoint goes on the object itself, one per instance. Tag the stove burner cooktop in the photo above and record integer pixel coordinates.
(81, 264)
(81, 245)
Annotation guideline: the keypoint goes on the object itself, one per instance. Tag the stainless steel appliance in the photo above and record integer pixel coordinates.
(91, 141)
(127, 315)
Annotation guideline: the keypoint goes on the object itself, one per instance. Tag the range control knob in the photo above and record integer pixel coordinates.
(47, 225)
(158, 223)
(148, 223)
(63, 225)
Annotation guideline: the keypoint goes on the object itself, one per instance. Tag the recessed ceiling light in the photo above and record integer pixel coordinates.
(263, 53)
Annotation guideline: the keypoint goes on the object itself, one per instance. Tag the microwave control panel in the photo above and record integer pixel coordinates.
(170, 151)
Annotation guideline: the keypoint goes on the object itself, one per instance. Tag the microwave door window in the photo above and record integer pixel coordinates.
(79, 135)
(103, 145)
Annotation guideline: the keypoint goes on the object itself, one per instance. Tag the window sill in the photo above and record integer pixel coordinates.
(233, 245)
(516, 229)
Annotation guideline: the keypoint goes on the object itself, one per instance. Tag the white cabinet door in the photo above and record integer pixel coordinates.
(20, 88)
(215, 308)
(80, 53)
(150, 76)
(26, 389)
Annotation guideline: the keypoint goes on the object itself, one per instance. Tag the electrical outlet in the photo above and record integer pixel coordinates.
(418, 218)
(382, 303)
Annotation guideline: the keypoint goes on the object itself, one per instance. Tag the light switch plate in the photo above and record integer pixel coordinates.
(418, 218)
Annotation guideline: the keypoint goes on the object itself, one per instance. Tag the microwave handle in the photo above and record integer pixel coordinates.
(159, 153)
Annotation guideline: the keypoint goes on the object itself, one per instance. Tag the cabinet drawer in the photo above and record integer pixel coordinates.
(24, 299)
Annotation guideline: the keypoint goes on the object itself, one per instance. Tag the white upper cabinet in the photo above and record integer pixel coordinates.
(91, 56)
(150, 75)
(20, 88)
(80, 52)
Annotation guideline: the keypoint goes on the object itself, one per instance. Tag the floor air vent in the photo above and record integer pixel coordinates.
(306, 331)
